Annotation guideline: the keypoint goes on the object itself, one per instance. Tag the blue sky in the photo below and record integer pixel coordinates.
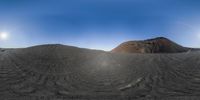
(98, 24)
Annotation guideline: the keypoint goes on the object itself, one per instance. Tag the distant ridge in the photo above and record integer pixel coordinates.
(155, 45)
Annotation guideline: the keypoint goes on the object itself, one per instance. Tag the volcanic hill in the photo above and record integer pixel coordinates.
(156, 45)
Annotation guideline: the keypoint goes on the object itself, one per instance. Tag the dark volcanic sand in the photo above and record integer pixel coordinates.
(57, 72)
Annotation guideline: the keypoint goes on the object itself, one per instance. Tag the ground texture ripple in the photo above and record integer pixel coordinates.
(57, 72)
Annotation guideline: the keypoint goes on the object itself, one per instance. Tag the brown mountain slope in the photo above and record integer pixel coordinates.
(156, 45)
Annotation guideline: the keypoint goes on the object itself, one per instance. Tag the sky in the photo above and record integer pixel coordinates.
(97, 24)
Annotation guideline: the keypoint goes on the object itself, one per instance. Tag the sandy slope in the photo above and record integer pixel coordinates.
(62, 72)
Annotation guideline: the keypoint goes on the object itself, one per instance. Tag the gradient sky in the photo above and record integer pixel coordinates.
(98, 24)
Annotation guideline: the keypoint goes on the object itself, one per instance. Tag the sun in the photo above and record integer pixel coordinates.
(3, 36)
(198, 36)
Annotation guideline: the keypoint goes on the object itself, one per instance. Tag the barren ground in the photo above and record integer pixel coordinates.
(57, 72)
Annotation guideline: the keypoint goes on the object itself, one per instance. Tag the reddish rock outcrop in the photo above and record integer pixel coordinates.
(156, 45)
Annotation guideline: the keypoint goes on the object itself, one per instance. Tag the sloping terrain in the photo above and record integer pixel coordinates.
(58, 72)
(156, 45)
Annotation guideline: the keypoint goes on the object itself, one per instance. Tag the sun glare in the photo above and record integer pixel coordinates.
(3, 36)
